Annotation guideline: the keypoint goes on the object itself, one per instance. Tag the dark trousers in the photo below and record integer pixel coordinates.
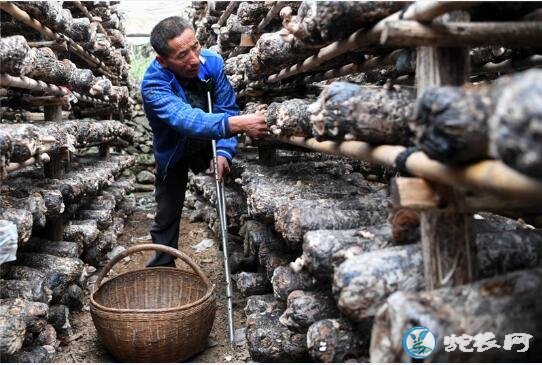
(169, 194)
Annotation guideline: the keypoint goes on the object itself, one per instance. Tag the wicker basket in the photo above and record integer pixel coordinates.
(157, 314)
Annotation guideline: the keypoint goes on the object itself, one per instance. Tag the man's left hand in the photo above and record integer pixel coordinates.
(223, 167)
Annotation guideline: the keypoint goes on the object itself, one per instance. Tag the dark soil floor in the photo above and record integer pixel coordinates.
(85, 346)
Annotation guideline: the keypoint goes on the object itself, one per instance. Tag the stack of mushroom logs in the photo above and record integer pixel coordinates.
(328, 268)
(67, 215)
(95, 27)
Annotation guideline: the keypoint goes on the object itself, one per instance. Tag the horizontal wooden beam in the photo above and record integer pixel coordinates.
(405, 33)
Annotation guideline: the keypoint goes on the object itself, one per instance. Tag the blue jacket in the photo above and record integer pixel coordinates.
(173, 120)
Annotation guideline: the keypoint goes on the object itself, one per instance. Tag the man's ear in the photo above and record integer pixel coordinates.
(161, 61)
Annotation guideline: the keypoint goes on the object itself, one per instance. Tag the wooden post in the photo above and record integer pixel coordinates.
(104, 151)
(54, 169)
(449, 249)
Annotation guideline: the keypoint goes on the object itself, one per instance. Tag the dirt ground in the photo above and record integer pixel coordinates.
(84, 345)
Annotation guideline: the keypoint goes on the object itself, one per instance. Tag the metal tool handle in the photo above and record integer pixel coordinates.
(221, 204)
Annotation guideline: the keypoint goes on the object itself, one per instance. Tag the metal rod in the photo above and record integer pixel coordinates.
(221, 203)
(490, 176)
(420, 11)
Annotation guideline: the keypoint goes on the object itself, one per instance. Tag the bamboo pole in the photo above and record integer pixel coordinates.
(273, 12)
(421, 11)
(24, 82)
(225, 15)
(490, 176)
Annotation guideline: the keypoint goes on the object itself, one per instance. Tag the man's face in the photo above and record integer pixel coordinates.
(183, 58)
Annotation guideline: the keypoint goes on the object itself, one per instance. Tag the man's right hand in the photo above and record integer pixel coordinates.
(253, 125)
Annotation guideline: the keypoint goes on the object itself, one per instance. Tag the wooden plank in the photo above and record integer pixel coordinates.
(420, 194)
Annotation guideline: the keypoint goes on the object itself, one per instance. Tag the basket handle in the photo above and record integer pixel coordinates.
(152, 247)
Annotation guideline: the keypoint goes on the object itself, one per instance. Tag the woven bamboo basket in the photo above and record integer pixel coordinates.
(158, 314)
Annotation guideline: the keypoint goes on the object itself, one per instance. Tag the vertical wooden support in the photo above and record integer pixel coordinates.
(267, 156)
(448, 243)
(53, 112)
(104, 151)
(54, 169)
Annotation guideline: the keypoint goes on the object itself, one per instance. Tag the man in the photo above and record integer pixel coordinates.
(175, 102)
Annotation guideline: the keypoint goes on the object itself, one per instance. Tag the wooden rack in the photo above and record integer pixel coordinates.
(446, 196)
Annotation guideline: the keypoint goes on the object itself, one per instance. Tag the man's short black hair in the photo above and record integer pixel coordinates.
(165, 30)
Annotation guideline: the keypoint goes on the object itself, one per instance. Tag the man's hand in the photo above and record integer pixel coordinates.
(253, 125)
(223, 167)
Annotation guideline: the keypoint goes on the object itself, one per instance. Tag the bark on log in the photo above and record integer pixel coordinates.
(59, 318)
(401, 268)
(47, 336)
(370, 114)
(501, 305)
(34, 314)
(99, 202)
(40, 354)
(239, 262)
(15, 55)
(117, 38)
(56, 282)
(256, 234)
(458, 126)
(272, 255)
(28, 139)
(334, 340)
(24, 289)
(289, 118)
(102, 217)
(73, 297)
(515, 125)
(452, 124)
(85, 232)
(72, 249)
(49, 264)
(96, 252)
(285, 281)
(251, 283)
(296, 182)
(294, 219)
(13, 331)
(22, 219)
(270, 341)
(326, 21)
(271, 53)
(251, 13)
(33, 203)
(304, 308)
(266, 303)
(324, 250)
